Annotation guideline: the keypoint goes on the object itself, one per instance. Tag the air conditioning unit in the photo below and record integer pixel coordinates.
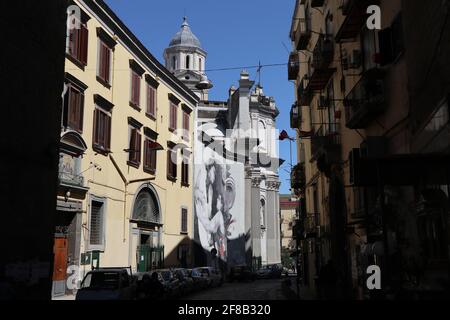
(355, 59)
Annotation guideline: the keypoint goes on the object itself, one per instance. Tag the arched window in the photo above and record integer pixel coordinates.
(174, 63)
(146, 207)
(188, 62)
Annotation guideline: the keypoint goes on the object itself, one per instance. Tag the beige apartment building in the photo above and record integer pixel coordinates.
(373, 168)
(125, 180)
(288, 209)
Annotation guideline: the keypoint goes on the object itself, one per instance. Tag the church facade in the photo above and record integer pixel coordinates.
(236, 182)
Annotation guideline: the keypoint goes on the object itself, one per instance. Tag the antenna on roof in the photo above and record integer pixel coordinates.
(259, 73)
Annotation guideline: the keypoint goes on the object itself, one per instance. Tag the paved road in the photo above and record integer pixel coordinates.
(257, 290)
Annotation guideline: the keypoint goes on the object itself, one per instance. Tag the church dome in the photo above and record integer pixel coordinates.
(185, 37)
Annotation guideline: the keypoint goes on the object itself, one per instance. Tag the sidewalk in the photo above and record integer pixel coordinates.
(290, 292)
(65, 297)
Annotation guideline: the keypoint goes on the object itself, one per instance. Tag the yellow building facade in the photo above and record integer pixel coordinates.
(124, 199)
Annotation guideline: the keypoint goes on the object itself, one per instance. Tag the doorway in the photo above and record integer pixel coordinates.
(60, 250)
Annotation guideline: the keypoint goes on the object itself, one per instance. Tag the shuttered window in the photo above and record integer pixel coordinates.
(186, 120)
(151, 101)
(149, 156)
(102, 131)
(171, 164)
(173, 116)
(96, 225)
(134, 157)
(185, 171)
(135, 89)
(184, 220)
(104, 63)
(78, 44)
(73, 109)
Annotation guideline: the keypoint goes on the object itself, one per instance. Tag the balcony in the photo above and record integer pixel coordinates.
(69, 173)
(322, 58)
(298, 177)
(70, 179)
(326, 142)
(304, 93)
(317, 3)
(366, 101)
(293, 66)
(296, 116)
(303, 34)
(311, 223)
(355, 12)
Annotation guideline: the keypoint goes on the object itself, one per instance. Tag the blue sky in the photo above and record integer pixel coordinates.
(235, 33)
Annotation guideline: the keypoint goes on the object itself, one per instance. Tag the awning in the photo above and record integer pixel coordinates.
(153, 145)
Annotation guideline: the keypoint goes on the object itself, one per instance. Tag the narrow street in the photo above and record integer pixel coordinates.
(257, 290)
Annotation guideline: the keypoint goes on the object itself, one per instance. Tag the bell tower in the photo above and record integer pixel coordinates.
(186, 59)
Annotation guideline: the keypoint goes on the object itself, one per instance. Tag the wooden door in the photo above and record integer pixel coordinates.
(60, 262)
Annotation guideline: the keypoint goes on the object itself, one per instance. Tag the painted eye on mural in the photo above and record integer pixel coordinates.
(230, 193)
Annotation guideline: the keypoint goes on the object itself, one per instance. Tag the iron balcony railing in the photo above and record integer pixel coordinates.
(293, 65)
(326, 140)
(296, 117)
(298, 177)
(366, 100)
(303, 34)
(71, 179)
(323, 52)
(322, 58)
(304, 92)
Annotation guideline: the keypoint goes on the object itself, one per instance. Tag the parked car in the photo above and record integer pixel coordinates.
(213, 276)
(242, 273)
(199, 282)
(172, 284)
(146, 289)
(270, 271)
(186, 282)
(108, 284)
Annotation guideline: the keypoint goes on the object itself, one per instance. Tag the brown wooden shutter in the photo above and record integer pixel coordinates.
(101, 70)
(84, 35)
(96, 136)
(169, 163)
(132, 147)
(174, 164)
(138, 147)
(108, 132)
(66, 106)
(81, 112)
(186, 126)
(146, 157)
(107, 63)
(72, 42)
(184, 219)
(153, 155)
